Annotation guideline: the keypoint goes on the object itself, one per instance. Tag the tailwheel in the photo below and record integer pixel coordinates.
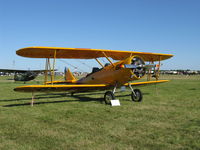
(108, 97)
(72, 93)
(136, 95)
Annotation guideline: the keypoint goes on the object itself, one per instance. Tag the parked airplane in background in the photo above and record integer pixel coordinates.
(23, 75)
(131, 66)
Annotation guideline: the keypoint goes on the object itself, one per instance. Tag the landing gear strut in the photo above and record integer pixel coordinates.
(108, 96)
(136, 94)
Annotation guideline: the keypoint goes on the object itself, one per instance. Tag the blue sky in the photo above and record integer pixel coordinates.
(160, 26)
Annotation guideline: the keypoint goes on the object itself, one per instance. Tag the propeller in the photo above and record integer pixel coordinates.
(139, 67)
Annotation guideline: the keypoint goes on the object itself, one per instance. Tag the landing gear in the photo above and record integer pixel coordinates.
(108, 96)
(136, 95)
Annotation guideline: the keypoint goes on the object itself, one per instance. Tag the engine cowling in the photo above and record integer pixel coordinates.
(139, 70)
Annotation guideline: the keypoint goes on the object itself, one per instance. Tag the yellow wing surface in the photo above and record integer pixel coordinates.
(86, 53)
(146, 83)
(59, 88)
(76, 87)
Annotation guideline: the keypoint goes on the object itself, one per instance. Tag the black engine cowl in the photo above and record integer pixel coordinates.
(140, 70)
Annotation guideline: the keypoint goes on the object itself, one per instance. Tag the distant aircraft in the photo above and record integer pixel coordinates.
(130, 66)
(23, 75)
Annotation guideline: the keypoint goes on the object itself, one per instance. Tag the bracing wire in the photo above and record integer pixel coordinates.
(103, 60)
(85, 64)
(71, 65)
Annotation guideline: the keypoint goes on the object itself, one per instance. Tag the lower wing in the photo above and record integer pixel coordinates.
(60, 88)
(146, 83)
(76, 87)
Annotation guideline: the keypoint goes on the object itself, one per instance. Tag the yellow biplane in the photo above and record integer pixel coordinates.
(130, 66)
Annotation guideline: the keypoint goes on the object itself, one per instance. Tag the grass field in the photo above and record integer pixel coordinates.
(168, 118)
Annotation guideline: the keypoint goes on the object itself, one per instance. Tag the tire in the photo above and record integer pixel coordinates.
(108, 96)
(72, 94)
(138, 97)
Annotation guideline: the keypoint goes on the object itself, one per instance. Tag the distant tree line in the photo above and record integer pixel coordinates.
(180, 72)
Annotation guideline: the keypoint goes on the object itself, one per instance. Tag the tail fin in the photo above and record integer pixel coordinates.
(69, 77)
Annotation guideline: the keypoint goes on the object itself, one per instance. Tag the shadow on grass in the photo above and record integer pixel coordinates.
(192, 89)
(23, 99)
(81, 97)
(49, 95)
(11, 79)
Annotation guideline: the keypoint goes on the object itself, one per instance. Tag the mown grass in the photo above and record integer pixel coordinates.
(168, 118)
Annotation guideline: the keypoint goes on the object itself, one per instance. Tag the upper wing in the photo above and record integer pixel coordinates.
(146, 83)
(86, 53)
(60, 88)
(13, 70)
(21, 71)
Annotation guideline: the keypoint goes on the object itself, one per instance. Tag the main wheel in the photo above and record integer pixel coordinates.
(108, 96)
(137, 97)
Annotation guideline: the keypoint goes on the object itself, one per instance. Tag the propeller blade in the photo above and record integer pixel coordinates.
(131, 66)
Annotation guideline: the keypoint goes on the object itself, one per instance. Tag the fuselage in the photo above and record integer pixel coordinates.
(113, 74)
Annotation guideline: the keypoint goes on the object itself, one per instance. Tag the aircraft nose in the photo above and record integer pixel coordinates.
(140, 68)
